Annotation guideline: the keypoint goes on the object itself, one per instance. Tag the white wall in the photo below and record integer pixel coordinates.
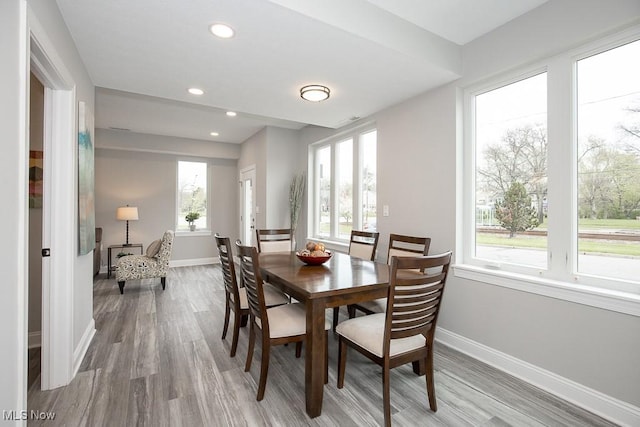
(282, 165)
(13, 175)
(148, 180)
(275, 152)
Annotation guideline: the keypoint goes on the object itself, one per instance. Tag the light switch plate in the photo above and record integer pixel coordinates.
(385, 210)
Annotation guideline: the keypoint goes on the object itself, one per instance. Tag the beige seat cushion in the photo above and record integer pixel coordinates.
(275, 246)
(272, 296)
(288, 320)
(154, 248)
(361, 250)
(368, 332)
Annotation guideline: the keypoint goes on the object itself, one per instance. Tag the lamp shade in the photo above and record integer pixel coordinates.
(127, 213)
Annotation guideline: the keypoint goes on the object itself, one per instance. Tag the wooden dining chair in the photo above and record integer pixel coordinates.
(399, 245)
(363, 245)
(276, 325)
(405, 332)
(274, 240)
(235, 296)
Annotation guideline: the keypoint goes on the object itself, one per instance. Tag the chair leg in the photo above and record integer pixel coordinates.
(336, 313)
(298, 349)
(431, 390)
(386, 391)
(121, 286)
(352, 311)
(264, 368)
(236, 333)
(326, 357)
(227, 312)
(163, 281)
(342, 362)
(252, 339)
(419, 367)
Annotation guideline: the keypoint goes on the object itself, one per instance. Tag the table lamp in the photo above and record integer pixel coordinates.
(127, 213)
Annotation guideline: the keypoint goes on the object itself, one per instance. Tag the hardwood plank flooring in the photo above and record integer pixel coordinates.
(157, 359)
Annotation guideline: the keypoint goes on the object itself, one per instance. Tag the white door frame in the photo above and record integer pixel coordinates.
(247, 173)
(58, 231)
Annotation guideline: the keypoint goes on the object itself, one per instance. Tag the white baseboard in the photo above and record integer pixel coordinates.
(615, 410)
(35, 339)
(194, 261)
(83, 346)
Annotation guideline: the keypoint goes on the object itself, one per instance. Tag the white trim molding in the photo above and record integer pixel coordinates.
(82, 347)
(615, 410)
(194, 261)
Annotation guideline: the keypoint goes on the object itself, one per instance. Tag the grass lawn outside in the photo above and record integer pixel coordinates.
(611, 247)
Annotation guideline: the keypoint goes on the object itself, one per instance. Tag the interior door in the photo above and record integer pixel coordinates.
(247, 205)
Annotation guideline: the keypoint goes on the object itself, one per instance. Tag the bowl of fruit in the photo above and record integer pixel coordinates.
(314, 254)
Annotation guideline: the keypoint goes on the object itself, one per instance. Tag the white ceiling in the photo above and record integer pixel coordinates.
(143, 55)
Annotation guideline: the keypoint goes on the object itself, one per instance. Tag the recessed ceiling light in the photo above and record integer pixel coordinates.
(195, 91)
(222, 30)
(315, 93)
(231, 113)
(214, 134)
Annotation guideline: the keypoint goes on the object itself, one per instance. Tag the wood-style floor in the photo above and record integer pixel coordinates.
(157, 359)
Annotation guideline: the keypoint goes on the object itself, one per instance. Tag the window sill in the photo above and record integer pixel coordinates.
(332, 245)
(197, 233)
(621, 302)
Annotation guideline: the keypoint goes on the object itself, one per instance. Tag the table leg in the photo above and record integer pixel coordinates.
(314, 356)
(109, 263)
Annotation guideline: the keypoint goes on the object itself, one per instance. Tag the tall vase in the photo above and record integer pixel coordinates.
(293, 242)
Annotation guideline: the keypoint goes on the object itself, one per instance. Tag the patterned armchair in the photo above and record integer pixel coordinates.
(149, 266)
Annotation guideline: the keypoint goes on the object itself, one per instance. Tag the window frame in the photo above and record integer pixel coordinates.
(200, 231)
(313, 185)
(560, 279)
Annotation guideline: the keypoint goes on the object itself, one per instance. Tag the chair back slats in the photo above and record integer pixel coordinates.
(252, 279)
(274, 240)
(414, 298)
(363, 244)
(401, 245)
(228, 268)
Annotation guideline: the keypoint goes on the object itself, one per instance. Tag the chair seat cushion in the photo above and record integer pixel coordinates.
(133, 267)
(377, 305)
(272, 297)
(288, 320)
(368, 333)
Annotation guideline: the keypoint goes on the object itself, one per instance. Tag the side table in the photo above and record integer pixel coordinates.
(123, 248)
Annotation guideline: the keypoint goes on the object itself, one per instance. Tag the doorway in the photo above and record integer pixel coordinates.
(36, 174)
(58, 219)
(247, 205)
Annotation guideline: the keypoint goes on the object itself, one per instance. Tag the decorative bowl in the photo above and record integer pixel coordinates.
(314, 260)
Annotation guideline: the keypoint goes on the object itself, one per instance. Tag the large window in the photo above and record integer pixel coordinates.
(562, 205)
(609, 163)
(192, 196)
(343, 185)
(511, 173)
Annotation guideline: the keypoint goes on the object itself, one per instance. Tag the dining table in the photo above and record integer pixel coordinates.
(341, 280)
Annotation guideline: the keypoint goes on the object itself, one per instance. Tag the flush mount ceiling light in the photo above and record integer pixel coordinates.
(221, 30)
(315, 93)
(195, 91)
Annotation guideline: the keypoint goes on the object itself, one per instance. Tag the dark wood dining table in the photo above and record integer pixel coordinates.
(340, 281)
